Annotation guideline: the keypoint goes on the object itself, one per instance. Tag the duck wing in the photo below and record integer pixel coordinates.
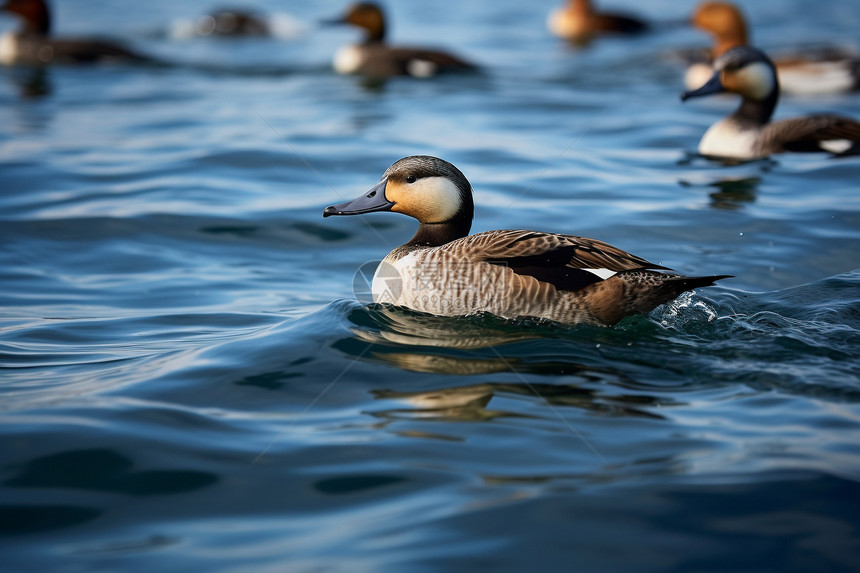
(567, 262)
(39, 50)
(618, 23)
(812, 133)
(424, 63)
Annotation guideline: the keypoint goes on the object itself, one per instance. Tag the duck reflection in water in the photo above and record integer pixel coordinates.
(470, 403)
(32, 82)
(388, 324)
(472, 345)
(731, 193)
(734, 193)
(414, 341)
(429, 344)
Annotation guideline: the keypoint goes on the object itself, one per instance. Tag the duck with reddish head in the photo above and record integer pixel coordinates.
(33, 44)
(373, 57)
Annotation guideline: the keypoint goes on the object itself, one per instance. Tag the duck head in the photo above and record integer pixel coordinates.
(580, 6)
(725, 22)
(37, 19)
(745, 71)
(426, 188)
(365, 15)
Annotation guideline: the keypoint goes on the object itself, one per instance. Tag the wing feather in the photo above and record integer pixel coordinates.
(807, 133)
(561, 260)
(389, 60)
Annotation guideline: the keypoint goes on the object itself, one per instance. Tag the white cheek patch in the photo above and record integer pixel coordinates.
(602, 273)
(757, 79)
(433, 199)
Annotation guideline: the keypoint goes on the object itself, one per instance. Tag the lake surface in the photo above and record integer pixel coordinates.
(188, 379)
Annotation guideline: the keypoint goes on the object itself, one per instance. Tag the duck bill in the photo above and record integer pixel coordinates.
(373, 200)
(713, 86)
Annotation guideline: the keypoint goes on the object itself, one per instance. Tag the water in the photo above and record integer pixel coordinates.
(188, 380)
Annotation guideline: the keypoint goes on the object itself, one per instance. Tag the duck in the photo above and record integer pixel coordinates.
(748, 133)
(579, 22)
(32, 44)
(373, 57)
(232, 23)
(825, 70)
(511, 274)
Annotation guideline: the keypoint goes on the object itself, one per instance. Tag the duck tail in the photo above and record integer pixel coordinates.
(640, 292)
(672, 286)
(679, 284)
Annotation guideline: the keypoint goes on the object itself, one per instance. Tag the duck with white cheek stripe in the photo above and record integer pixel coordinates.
(445, 271)
(748, 133)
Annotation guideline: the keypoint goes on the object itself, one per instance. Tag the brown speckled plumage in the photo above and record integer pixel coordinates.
(508, 273)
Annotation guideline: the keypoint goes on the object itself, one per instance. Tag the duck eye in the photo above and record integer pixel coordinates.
(410, 179)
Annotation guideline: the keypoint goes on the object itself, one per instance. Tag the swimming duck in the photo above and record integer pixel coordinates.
(32, 44)
(748, 132)
(373, 57)
(579, 22)
(232, 22)
(821, 71)
(445, 271)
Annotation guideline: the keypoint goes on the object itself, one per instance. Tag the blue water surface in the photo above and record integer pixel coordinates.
(187, 380)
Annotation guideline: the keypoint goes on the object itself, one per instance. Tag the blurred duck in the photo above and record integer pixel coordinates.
(445, 271)
(748, 133)
(579, 22)
(821, 71)
(33, 45)
(231, 23)
(373, 57)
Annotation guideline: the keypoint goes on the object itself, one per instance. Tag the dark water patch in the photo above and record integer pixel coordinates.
(243, 231)
(792, 539)
(105, 470)
(270, 380)
(153, 542)
(356, 484)
(32, 519)
(321, 232)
